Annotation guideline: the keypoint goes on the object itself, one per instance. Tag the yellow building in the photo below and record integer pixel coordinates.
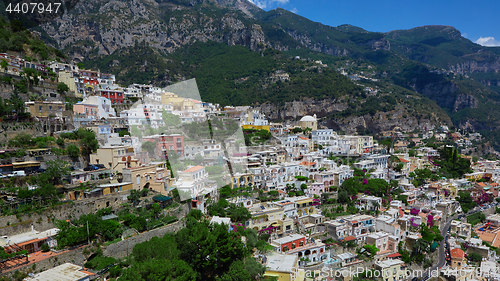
(240, 180)
(452, 189)
(44, 109)
(115, 157)
(172, 99)
(101, 190)
(266, 216)
(115, 187)
(474, 176)
(263, 217)
(179, 103)
(150, 177)
(304, 205)
(67, 78)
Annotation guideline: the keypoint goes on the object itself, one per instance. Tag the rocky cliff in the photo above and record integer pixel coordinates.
(445, 93)
(472, 66)
(162, 25)
(381, 121)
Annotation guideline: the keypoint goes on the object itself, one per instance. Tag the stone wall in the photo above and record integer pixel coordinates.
(74, 256)
(119, 250)
(12, 225)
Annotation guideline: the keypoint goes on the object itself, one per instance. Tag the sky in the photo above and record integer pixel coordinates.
(477, 20)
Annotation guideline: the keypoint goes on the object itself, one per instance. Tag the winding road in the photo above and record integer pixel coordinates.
(441, 254)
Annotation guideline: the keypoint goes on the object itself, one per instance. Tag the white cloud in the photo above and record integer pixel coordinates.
(268, 3)
(294, 10)
(259, 3)
(488, 42)
(280, 1)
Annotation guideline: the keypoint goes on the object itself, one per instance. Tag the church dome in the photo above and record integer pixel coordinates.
(308, 118)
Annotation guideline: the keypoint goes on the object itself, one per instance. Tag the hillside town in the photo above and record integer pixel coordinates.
(114, 166)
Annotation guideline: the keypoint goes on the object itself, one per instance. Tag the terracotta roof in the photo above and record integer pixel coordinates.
(349, 238)
(303, 138)
(194, 169)
(394, 255)
(307, 163)
(457, 253)
(404, 160)
(401, 213)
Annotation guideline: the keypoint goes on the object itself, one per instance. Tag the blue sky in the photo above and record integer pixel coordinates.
(477, 20)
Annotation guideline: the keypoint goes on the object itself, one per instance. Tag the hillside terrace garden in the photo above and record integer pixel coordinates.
(106, 227)
(200, 251)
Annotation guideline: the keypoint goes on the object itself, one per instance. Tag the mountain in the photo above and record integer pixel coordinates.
(431, 63)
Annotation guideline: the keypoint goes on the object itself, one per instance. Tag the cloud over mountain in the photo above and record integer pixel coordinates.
(488, 42)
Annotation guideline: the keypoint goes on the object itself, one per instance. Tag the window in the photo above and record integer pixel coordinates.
(138, 179)
(50, 107)
(40, 109)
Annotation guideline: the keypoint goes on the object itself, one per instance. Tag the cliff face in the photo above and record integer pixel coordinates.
(473, 66)
(446, 95)
(164, 26)
(381, 121)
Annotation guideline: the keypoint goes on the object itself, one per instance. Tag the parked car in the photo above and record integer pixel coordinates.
(17, 174)
(100, 166)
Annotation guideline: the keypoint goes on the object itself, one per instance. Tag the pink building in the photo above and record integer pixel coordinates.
(317, 188)
(85, 110)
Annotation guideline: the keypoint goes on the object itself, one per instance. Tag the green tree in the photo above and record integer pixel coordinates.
(198, 159)
(466, 201)
(474, 257)
(343, 197)
(88, 142)
(60, 142)
(371, 249)
(238, 213)
(31, 76)
(56, 171)
(5, 65)
(73, 150)
(62, 88)
(123, 133)
(170, 119)
(150, 147)
(17, 103)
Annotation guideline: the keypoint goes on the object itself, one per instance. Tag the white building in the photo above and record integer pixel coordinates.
(323, 136)
(104, 109)
(193, 183)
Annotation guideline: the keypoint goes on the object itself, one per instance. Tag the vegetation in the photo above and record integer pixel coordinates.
(466, 201)
(222, 208)
(451, 164)
(182, 255)
(14, 37)
(476, 218)
(474, 257)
